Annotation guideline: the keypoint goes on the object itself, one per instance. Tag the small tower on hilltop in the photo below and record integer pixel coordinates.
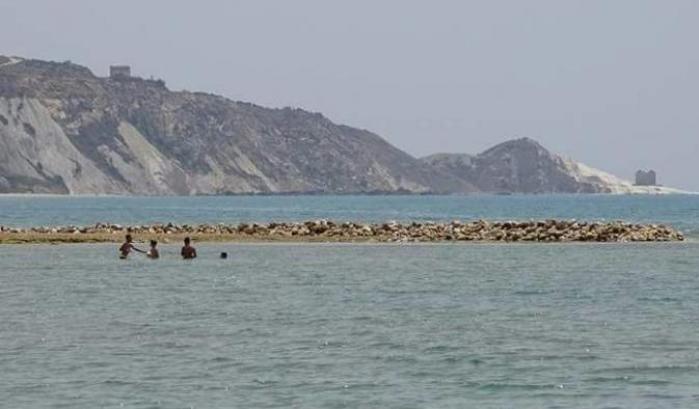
(119, 71)
(644, 178)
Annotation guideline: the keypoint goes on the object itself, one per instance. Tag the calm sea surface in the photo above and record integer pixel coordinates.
(346, 326)
(682, 211)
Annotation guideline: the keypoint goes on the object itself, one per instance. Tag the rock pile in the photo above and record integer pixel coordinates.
(325, 230)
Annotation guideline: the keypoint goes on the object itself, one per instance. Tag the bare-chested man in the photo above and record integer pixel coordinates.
(126, 248)
(188, 252)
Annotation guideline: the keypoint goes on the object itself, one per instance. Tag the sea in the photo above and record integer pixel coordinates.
(351, 325)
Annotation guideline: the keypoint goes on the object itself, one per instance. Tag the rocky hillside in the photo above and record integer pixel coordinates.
(65, 130)
(524, 166)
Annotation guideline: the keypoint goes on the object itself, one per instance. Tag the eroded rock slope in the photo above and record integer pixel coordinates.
(65, 130)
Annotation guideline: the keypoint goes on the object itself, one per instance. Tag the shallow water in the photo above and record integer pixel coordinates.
(390, 326)
(681, 211)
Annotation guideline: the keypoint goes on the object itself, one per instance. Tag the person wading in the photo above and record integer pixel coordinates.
(126, 248)
(188, 252)
(153, 253)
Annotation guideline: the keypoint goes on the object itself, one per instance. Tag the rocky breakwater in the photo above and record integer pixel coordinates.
(547, 231)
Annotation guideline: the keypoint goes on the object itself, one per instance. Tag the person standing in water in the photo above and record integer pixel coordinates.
(126, 248)
(153, 253)
(188, 252)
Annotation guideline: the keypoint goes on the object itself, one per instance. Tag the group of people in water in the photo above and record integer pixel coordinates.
(188, 252)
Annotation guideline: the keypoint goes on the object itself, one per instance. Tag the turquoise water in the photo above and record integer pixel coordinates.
(334, 326)
(681, 211)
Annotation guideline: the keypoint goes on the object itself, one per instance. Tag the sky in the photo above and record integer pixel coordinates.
(612, 83)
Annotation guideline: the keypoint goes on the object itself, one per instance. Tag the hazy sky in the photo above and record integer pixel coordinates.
(614, 84)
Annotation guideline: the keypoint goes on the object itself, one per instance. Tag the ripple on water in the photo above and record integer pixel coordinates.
(346, 331)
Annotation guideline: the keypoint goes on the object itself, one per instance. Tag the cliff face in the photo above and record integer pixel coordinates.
(524, 166)
(64, 130)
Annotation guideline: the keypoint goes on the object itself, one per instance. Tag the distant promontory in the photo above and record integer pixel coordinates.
(64, 130)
